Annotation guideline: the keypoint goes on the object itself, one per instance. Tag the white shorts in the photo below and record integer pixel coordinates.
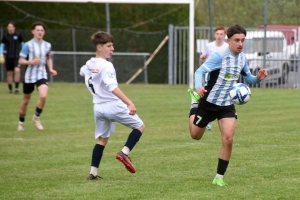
(107, 114)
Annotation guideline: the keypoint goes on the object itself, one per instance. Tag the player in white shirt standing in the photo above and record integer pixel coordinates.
(109, 104)
(218, 45)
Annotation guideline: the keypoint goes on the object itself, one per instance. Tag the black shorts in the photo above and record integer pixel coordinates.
(11, 63)
(29, 87)
(208, 112)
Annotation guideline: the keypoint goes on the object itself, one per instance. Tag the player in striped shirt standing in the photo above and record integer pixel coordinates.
(11, 44)
(111, 105)
(35, 54)
(225, 68)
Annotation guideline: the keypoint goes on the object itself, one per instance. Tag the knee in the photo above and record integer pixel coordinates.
(196, 137)
(228, 140)
(142, 128)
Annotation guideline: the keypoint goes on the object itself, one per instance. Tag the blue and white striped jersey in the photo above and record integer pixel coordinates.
(32, 50)
(225, 69)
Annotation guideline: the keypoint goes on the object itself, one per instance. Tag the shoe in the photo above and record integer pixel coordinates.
(16, 91)
(194, 95)
(126, 161)
(92, 177)
(10, 92)
(37, 122)
(219, 182)
(21, 127)
(208, 127)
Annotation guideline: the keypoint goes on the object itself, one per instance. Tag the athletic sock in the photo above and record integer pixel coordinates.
(133, 138)
(10, 87)
(38, 111)
(22, 116)
(17, 86)
(125, 150)
(97, 155)
(222, 166)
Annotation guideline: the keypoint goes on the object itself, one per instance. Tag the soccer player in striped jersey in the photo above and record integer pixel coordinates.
(111, 105)
(12, 42)
(225, 68)
(35, 54)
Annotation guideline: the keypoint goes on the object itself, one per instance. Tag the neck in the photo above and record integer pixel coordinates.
(219, 43)
(37, 40)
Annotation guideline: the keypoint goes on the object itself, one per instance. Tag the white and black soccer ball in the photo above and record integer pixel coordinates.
(240, 93)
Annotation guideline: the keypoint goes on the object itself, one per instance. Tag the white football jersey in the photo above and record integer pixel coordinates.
(100, 79)
(211, 48)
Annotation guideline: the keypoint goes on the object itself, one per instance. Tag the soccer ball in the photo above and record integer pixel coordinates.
(240, 93)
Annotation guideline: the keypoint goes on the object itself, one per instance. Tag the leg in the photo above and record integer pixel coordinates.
(9, 75)
(17, 77)
(195, 131)
(96, 158)
(22, 112)
(43, 90)
(227, 128)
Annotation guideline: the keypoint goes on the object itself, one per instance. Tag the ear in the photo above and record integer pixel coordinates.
(99, 47)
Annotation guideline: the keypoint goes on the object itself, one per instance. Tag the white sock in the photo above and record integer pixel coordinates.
(219, 176)
(94, 171)
(21, 122)
(125, 150)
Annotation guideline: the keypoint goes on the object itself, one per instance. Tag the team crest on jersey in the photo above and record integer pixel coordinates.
(229, 77)
(111, 75)
(15, 37)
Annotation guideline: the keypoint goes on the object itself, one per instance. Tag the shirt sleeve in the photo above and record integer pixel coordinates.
(248, 77)
(211, 64)
(25, 51)
(2, 45)
(109, 77)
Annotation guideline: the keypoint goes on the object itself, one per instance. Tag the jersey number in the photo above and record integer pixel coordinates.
(199, 119)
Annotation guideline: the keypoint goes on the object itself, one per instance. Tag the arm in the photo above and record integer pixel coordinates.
(251, 79)
(2, 45)
(50, 65)
(118, 92)
(23, 55)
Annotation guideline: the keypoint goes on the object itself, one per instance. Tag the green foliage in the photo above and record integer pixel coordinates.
(53, 164)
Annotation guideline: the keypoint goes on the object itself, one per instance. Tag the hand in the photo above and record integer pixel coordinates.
(262, 74)
(201, 91)
(2, 59)
(36, 61)
(132, 109)
(203, 56)
(53, 72)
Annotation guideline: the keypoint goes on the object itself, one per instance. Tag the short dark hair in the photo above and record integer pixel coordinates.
(38, 24)
(101, 38)
(12, 23)
(236, 29)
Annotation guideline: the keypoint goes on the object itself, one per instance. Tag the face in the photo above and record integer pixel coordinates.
(236, 43)
(11, 28)
(38, 32)
(105, 50)
(219, 35)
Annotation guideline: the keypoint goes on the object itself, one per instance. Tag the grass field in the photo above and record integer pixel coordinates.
(54, 163)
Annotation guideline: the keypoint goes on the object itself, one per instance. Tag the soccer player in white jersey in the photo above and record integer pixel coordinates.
(111, 105)
(224, 67)
(35, 54)
(218, 45)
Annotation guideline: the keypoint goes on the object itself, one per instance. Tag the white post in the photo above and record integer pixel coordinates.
(191, 46)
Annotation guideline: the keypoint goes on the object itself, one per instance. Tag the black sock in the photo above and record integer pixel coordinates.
(133, 138)
(16, 85)
(222, 166)
(10, 87)
(21, 116)
(97, 155)
(38, 111)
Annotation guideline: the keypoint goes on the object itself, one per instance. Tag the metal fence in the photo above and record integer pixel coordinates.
(281, 57)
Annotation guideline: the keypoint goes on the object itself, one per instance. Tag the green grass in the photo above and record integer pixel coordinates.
(53, 164)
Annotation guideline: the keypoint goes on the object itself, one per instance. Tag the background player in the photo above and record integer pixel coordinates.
(38, 53)
(101, 81)
(11, 44)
